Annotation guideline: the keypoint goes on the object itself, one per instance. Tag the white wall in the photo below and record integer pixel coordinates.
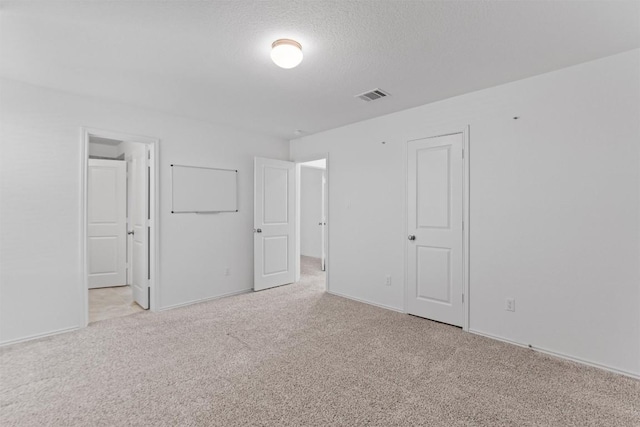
(126, 149)
(310, 211)
(555, 216)
(40, 212)
(103, 150)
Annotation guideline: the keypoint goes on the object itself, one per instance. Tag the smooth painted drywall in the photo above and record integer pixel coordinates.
(555, 216)
(311, 211)
(40, 211)
(103, 150)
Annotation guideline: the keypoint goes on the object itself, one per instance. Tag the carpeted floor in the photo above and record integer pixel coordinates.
(107, 303)
(296, 356)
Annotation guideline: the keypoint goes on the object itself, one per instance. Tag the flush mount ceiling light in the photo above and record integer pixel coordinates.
(286, 53)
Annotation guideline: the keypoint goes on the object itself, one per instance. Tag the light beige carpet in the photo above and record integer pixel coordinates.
(107, 303)
(296, 356)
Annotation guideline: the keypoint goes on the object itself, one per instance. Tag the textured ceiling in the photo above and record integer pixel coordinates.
(210, 59)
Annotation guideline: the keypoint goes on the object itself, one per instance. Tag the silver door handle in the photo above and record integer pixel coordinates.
(257, 230)
(131, 232)
(412, 237)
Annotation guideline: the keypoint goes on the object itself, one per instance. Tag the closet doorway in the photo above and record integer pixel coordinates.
(119, 228)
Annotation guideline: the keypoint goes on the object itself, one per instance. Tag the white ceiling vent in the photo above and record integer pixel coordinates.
(372, 95)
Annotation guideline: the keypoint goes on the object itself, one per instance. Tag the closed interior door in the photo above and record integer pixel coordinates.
(106, 223)
(139, 227)
(435, 241)
(274, 223)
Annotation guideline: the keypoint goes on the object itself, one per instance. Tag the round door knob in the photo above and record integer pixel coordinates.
(258, 230)
(412, 237)
(131, 232)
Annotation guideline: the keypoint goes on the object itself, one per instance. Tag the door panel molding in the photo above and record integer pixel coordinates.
(425, 217)
(446, 274)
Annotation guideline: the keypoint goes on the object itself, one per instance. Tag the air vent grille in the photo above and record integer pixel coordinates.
(372, 95)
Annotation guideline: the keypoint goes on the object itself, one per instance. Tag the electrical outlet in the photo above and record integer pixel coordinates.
(510, 304)
(227, 271)
(388, 280)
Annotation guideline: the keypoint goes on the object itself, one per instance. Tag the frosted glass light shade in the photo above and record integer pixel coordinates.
(286, 53)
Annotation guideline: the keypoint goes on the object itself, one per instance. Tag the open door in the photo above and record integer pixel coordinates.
(106, 223)
(139, 227)
(274, 223)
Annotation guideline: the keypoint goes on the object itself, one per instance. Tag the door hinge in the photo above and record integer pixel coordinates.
(463, 298)
(463, 153)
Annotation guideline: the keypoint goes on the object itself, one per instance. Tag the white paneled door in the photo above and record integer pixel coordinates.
(106, 225)
(139, 227)
(274, 223)
(435, 241)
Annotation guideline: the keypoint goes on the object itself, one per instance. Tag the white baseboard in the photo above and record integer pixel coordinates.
(36, 336)
(196, 301)
(560, 355)
(388, 307)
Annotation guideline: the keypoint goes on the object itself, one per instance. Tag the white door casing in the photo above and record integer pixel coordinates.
(435, 214)
(106, 223)
(274, 223)
(139, 176)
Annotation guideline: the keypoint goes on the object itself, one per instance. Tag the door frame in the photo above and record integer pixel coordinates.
(154, 210)
(466, 192)
(327, 262)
